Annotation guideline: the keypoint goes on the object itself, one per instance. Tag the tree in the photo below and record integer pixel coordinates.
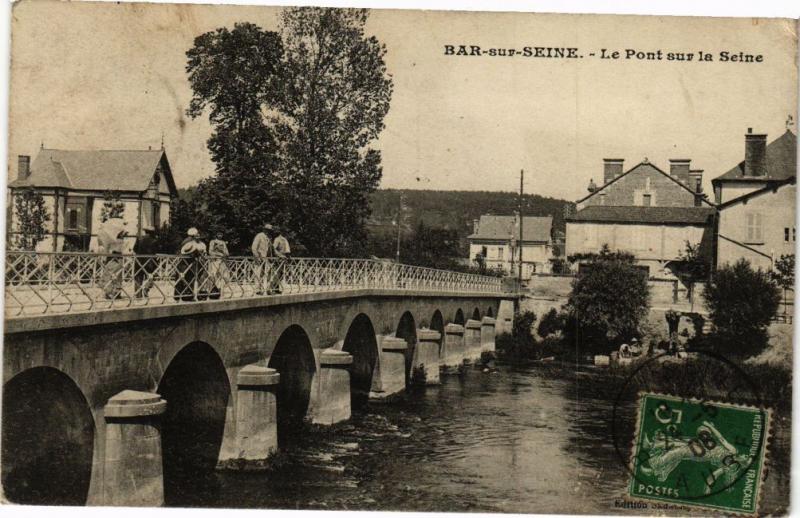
(609, 300)
(335, 95)
(783, 275)
(32, 216)
(113, 207)
(432, 247)
(235, 75)
(741, 303)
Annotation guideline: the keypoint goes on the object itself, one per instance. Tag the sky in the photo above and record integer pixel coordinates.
(112, 76)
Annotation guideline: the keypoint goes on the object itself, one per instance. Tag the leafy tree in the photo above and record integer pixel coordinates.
(32, 216)
(741, 302)
(783, 275)
(113, 207)
(335, 95)
(430, 247)
(609, 300)
(235, 76)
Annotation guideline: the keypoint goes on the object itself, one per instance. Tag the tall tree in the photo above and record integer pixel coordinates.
(334, 97)
(31, 216)
(235, 76)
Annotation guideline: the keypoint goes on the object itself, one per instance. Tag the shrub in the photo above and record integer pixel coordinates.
(609, 300)
(741, 302)
(520, 343)
(552, 323)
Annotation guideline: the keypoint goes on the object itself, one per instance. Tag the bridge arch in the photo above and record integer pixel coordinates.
(293, 358)
(48, 435)
(476, 314)
(196, 387)
(459, 317)
(407, 330)
(362, 344)
(437, 324)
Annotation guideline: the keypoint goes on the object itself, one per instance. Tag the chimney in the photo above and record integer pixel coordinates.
(24, 169)
(612, 168)
(475, 225)
(755, 153)
(696, 180)
(679, 169)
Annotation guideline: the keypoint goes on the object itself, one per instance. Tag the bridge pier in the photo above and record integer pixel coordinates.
(255, 430)
(505, 317)
(487, 334)
(472, 341)
(425, 369)
(333, 388)
(133, 473)
(391, 378)
(452, 348)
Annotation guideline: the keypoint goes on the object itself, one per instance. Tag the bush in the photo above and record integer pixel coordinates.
(520, 344)
(741, 302)
(609, 301)
(553, 323)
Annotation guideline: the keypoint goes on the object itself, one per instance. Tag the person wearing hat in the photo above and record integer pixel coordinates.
(262, 251)
(193, 247)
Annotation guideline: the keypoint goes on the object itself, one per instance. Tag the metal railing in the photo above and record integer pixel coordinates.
(49, 283)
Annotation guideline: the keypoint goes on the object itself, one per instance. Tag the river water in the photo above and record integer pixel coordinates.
(519, 439)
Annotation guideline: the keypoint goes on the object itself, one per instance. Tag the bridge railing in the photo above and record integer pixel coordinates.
(45, 283)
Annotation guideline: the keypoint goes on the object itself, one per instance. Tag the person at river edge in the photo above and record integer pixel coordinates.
(262, 249)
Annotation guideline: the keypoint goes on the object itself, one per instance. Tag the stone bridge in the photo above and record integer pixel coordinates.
(109, 407)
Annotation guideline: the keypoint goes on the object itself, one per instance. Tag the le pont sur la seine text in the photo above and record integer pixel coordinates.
(723, 56)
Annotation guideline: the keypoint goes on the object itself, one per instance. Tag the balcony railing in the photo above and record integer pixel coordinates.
(50, 283)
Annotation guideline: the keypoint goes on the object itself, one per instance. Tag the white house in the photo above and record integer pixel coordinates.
(757, 202)
(497, 239)
(75, 185)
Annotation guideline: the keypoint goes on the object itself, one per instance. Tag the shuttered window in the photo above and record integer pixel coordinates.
(755, 231)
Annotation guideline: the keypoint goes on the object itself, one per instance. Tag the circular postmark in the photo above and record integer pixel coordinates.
(700, 431)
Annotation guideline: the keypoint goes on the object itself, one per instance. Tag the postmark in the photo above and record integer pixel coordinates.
(701, 453)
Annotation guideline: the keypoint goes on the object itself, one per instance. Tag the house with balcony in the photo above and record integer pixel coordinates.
(80, 187)
(646, 211)
(496, 239)
(757, 202)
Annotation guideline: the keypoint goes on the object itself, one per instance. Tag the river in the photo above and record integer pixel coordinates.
(521, 439)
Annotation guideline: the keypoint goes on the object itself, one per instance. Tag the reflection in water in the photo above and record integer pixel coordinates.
(517, 440)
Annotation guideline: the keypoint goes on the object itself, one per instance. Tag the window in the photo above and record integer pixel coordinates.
(786, 234)
(75, 215)
(156, 219)
(754, 229)
(794, 234)
(647, 199)
(499, 252)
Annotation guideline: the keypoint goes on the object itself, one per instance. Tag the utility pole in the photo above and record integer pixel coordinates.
(399, 226)
(519, 245)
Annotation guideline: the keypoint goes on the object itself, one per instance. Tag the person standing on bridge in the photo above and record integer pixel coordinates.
(186, 284)
(217, 269)
(262, 251)
(282, 250)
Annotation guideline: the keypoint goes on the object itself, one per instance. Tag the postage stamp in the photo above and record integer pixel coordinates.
(705, 454)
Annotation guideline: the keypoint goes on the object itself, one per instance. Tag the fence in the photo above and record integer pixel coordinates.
(45, 283)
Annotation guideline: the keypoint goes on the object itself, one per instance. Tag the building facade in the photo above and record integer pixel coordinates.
(757, 202)
(80, 188)
(496, 239)
(645, 211)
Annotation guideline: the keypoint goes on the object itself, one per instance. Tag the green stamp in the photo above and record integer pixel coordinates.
(699, 453)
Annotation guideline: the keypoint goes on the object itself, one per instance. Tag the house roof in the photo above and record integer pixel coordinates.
(642, 165)
(121, 170)
(534, 228)
(781, 162)
(643, 215)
